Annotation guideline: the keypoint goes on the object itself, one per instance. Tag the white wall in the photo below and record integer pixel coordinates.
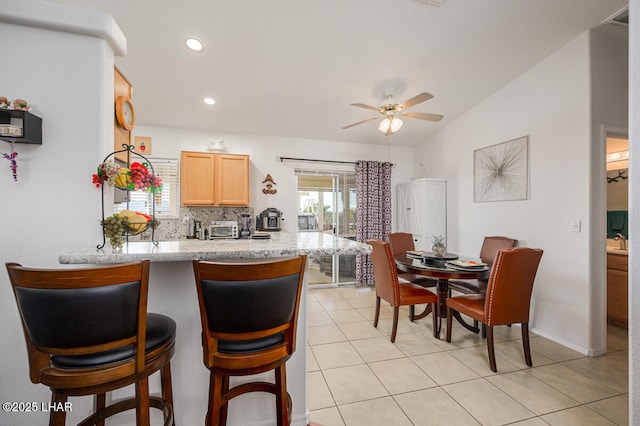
(265, 152)
(609, 66)
(551, 104)
(53, 207)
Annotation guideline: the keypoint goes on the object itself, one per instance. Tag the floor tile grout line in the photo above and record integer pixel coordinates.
(530, 371)
(591, 378)
(467, 411)
(616, 394)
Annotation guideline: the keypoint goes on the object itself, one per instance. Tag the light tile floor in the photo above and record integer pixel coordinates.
(356, 376)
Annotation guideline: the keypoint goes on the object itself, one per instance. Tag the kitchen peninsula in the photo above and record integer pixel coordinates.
(172, 292)
(279, 245)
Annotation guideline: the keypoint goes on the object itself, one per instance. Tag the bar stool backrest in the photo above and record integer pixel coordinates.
(71, 313)
(248, 307)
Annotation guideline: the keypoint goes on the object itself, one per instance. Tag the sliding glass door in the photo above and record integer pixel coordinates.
(327, 203)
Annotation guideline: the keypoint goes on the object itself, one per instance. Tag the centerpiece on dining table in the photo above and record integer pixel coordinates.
(438, 256)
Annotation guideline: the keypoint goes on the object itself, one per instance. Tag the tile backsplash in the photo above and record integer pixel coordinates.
(177, 229)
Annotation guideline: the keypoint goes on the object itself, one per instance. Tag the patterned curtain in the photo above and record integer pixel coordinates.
(373, 215)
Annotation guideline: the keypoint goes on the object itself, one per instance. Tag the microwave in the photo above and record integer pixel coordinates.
(223, 229)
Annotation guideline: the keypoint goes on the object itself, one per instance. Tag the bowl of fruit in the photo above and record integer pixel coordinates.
(126, 222)
(136, 222)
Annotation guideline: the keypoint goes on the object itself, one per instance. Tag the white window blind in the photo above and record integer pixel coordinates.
(166, 200)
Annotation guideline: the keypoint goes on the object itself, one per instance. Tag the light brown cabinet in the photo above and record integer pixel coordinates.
(617, 289)
(208, 179)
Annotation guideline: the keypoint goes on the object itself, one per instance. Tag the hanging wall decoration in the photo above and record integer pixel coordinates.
(142, 145)
(14, 165)
(269, 189)
(501, 171)
(615, 179)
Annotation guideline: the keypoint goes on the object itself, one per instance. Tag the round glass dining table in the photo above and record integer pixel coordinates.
(442, 274)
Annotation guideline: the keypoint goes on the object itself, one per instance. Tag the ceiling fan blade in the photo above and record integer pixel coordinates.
(372, 108)
(423, 116)
(424, 96)
(360, 122)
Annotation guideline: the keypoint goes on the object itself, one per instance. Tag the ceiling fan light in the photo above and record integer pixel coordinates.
(396, 124)
(384, 125)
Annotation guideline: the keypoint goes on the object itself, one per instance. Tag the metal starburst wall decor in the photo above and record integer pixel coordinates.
(501, 171)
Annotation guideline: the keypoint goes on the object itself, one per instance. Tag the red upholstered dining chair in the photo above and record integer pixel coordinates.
(402, 242)
(395, 291)
(506, 300)
(88, 332)
(249, 316)
(488, 252)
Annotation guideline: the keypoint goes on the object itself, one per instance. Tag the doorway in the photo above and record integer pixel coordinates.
(326, 202)
(617, 207)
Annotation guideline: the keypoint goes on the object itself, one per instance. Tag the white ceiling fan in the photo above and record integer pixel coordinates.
(392, 110)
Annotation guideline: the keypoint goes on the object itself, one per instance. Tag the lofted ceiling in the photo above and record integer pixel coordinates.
(292, 68)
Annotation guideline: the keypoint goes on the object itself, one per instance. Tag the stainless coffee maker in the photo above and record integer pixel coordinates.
(269, 220)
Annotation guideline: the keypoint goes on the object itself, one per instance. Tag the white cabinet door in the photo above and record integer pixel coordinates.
(422, 243)
(429, 208)
(404, 208)
(422, 210)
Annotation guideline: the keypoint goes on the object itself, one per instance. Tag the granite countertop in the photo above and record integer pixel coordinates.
(280, 245)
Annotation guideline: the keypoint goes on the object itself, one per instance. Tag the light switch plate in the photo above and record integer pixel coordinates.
(576, 225)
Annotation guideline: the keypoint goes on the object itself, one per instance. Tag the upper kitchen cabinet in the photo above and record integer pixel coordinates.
(196, 178)
(208, 179)
(231, 183)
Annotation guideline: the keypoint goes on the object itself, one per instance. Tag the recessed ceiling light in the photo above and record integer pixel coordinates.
(194, 44)
(209, 101)
(433, 2)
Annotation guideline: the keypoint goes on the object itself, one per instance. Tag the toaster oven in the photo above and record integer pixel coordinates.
(223, 229)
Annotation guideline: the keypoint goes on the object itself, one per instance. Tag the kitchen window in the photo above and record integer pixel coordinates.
(167, 200)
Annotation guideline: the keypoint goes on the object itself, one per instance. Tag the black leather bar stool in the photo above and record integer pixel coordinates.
(249, 314)
(88, 332)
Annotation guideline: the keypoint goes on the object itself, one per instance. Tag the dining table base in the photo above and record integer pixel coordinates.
(442, 290)
(412, 312)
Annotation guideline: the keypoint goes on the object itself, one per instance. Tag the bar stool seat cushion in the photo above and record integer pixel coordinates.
(253, 345)
(160, 329)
